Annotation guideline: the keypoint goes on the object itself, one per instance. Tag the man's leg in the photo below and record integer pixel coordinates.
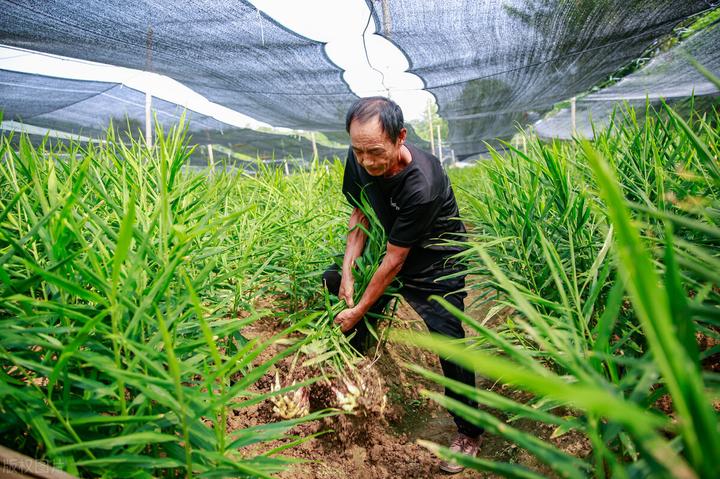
(363, 339)
(439, 320)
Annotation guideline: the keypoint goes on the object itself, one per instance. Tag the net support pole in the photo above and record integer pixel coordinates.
(211, 156)
(387, 23)
(439, 144)
(452, 156)
(314, 146)
(211, 159)
(524, 144)
(573, 124)
(148, 95)
(148, 119)
(287, 169)
(432, 140)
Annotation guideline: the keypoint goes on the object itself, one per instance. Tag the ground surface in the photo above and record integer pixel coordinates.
(381, 441)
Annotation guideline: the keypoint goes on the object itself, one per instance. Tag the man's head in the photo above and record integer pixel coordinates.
(377, 133)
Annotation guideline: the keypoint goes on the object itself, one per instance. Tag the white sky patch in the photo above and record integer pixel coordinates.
(340, 25)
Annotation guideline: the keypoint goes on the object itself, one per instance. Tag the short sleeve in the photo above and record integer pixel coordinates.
(413, 223)
(351, 182)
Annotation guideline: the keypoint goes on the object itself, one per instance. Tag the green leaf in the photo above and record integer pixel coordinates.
(119, 441)
(72, 288)
(123, 242)
(682, 376)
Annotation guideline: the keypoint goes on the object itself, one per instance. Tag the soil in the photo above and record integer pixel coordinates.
(379, 440)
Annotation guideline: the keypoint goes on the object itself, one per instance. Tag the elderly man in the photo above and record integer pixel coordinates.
(411, 195)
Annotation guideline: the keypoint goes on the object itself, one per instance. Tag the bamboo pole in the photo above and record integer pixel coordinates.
(148, 119)
(430, 127)
(314, 145)
(211, 159)
(148, 96)
(387, 23)
(440, 156)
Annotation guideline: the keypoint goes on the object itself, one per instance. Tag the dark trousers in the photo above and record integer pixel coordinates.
(437, 319)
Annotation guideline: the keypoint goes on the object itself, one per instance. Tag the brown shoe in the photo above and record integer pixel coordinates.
(464, 445)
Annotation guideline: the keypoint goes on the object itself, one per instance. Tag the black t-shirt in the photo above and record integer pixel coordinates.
(416, 207)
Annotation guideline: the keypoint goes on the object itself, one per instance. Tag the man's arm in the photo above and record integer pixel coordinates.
(353, 249)
(386, 272)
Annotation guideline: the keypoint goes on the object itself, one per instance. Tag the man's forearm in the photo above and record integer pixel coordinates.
(355, 241)
(389, 268)
(386, 272)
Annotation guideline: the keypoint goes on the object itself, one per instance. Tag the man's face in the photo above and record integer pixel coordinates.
(374, 150)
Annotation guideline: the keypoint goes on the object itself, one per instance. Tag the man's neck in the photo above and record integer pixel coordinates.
(403, 162)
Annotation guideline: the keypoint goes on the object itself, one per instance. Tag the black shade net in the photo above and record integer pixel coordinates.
(492, 64)
(83, 107)
(670, 76)
(23, 96)
(225, 50)
(87, 108)
(268, 146)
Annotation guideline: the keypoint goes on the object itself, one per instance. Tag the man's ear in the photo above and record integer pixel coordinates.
(402, 136)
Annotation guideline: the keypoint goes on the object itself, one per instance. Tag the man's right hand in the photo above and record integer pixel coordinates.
(347, 289)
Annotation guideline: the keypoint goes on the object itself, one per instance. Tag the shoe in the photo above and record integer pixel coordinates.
(464, 445)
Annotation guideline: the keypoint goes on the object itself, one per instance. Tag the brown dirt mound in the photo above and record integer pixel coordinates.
(379, 440)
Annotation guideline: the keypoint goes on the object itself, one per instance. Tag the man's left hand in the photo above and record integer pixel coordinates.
(348, 318)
